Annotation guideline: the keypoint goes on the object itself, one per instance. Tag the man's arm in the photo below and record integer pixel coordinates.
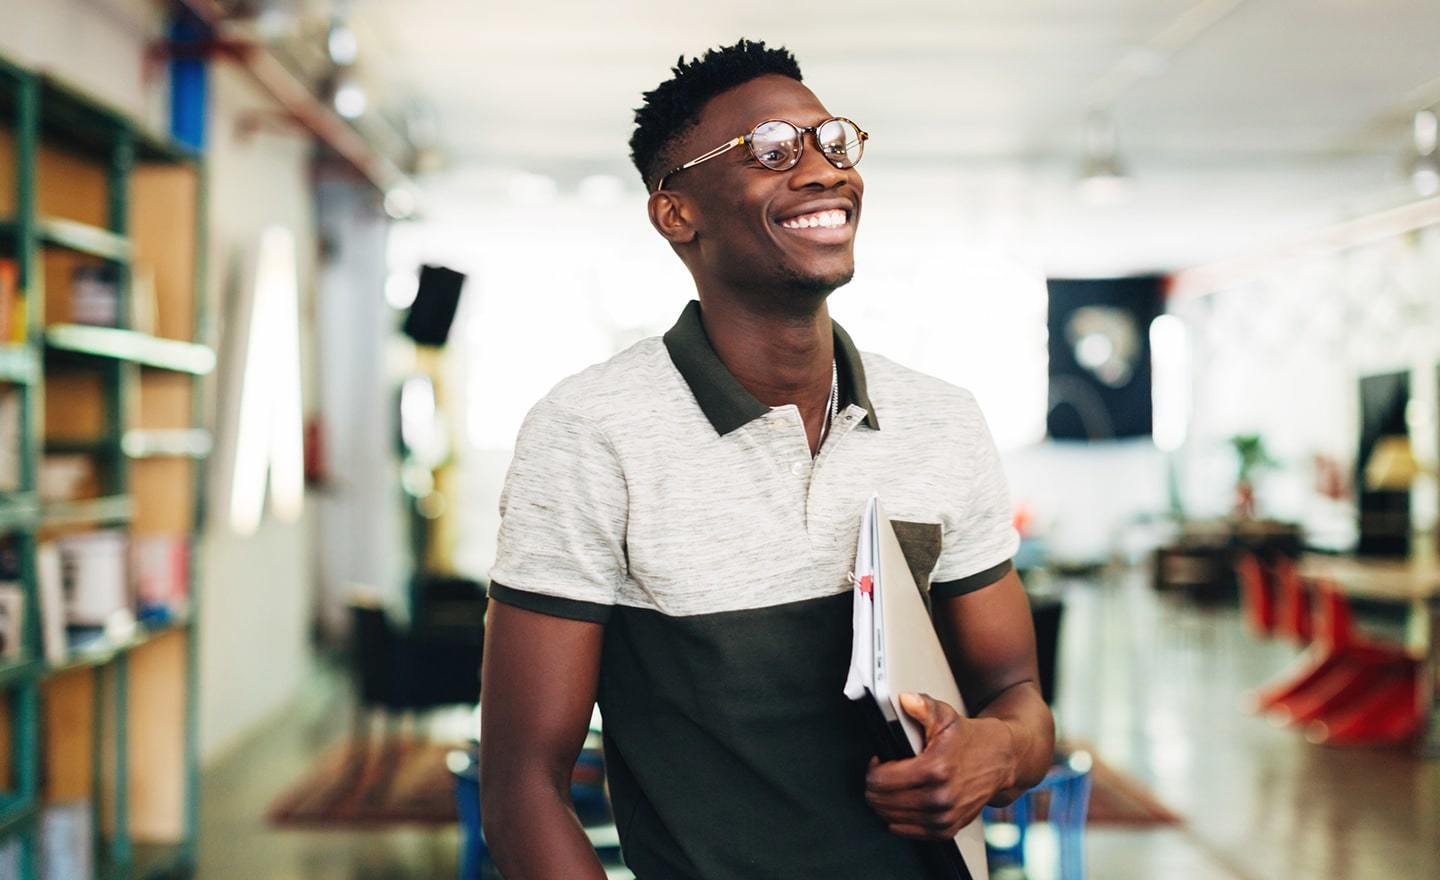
(993, 756)
(538, 688)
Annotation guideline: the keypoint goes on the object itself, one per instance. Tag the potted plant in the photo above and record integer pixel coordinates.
(1251, 458)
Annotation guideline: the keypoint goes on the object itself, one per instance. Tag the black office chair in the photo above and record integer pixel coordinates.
(433, 662)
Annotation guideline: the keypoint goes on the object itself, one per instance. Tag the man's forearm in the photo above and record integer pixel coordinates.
(533, 834)
(1032, 733)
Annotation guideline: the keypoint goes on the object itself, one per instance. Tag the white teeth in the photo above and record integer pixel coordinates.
(830, 219)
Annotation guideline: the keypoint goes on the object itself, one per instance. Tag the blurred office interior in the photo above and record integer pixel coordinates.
(279, 280)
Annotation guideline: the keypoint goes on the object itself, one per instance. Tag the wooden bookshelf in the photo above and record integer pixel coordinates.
(112, 723)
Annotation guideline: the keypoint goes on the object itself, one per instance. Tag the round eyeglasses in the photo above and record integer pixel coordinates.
(778, 145)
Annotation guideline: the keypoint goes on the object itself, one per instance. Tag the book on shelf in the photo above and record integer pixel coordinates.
(93, 576)
(161, 565)
(12, 303)
(66, 841)
(52, 602)
(9, 438)
(10, 859)
(144, 301)
(95, 296)
(12, 620)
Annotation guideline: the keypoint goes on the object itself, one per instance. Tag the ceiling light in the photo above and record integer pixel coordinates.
(1103, 179)
(342, 45)
(400, 289)
(350, 99)
(1424, 168)
(1104, 182)
(1425, 176)
(401, 202)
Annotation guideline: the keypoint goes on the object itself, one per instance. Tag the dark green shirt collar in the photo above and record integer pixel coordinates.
(724, 400)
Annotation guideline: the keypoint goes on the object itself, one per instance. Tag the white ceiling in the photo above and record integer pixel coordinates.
(1243, 120)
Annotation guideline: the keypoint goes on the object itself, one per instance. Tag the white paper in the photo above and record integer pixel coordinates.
(861, 677)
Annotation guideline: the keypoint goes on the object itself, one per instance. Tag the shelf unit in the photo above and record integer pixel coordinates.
(112, 724)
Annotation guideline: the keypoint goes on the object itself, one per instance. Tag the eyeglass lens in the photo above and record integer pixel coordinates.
(777, 145)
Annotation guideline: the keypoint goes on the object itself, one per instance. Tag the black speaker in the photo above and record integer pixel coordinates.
(1100, 357)
(1384, 511)
(430, 316)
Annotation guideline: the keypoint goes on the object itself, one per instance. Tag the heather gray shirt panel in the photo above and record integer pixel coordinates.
(622, 493)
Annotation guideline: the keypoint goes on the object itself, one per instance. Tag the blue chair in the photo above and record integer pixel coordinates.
(474, 854)
(1061, 799)
(587, 792)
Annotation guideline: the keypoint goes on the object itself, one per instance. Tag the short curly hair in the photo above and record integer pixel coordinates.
(673, 108)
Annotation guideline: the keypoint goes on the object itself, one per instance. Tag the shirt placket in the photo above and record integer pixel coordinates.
(808, 477)
(822, 482)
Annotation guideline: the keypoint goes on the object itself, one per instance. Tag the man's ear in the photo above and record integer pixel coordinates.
(672, 216)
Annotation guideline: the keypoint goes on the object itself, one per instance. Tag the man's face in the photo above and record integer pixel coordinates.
(751, 222)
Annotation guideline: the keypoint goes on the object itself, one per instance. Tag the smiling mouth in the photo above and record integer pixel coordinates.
(832, 218)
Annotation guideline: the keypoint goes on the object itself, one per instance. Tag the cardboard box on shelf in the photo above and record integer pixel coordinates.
(66, 477)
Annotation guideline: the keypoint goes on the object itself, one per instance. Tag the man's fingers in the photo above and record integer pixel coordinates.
(916, 800)
(934, 716)
(905, 774)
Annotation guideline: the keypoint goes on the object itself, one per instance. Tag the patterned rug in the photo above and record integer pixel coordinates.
(1117, 798)
(385, 782)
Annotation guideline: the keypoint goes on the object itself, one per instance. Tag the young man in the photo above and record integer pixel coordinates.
(678, 523)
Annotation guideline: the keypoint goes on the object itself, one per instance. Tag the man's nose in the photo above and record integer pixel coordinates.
(814, 169)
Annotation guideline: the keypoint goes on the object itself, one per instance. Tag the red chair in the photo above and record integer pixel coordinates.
(1292, 602)
(1356, 673)
(1349, 690)
(1257, 595)
(1389, 714)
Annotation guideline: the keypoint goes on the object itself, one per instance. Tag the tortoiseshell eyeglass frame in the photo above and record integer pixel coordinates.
(748, 140)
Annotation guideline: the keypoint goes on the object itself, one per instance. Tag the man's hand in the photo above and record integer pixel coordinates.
(966, 763)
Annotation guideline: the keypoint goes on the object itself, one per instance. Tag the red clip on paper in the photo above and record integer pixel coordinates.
(866, 583)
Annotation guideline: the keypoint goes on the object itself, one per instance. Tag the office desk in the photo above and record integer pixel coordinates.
(1413, 583)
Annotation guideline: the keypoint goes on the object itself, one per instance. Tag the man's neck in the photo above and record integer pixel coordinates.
(781, 358)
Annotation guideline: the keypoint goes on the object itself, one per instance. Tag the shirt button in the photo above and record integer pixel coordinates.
(798, 468)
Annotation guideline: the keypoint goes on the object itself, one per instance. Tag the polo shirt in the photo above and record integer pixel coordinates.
(652, 493)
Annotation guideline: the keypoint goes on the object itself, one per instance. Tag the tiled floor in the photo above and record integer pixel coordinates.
(1154, 688)
(237, 844)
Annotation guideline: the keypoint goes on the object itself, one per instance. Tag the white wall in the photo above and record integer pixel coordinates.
(359, 512)
(96, 45)
(254, 621)
(1282, 355)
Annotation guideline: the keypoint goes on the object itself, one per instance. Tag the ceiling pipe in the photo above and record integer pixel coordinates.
(307, 109)
(1370, 229)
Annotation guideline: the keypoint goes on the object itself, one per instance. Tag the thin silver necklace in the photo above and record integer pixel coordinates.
(832, 408)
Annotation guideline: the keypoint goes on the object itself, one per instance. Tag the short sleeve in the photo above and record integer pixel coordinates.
(561, 547)
(980, 539)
